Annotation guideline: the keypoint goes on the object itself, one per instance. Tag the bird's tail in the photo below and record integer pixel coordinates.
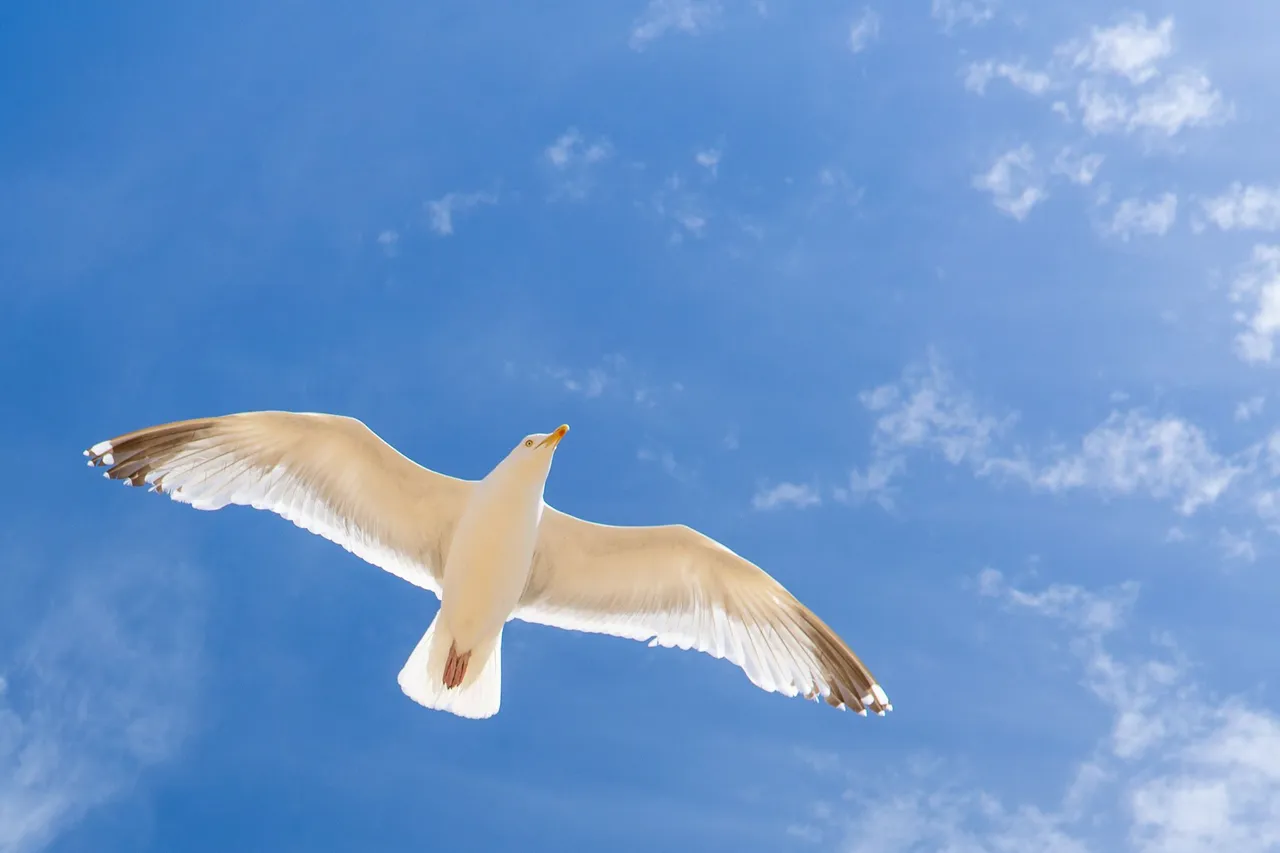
(480, 691)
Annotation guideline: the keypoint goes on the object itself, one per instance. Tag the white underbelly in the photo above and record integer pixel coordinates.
(486, 571)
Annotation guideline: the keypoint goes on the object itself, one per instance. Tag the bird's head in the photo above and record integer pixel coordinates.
(534, 452)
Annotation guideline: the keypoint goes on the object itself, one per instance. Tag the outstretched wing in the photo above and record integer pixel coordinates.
(676, 587)
(328, 474)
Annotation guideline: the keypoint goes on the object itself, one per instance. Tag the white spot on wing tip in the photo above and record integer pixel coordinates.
(108, 459)
(100, 448)
(879, 713)
(877, 692)
(862, 712)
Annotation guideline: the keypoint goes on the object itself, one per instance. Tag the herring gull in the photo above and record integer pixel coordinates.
(492, 550)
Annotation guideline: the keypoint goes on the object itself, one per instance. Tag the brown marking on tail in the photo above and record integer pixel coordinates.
(455, 668)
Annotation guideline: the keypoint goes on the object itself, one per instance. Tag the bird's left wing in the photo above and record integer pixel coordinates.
(328, 474)
(674, 586)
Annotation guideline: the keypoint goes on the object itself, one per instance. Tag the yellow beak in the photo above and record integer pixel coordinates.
(554, 439)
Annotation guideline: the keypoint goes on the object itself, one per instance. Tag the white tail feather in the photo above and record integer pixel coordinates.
(479, 694)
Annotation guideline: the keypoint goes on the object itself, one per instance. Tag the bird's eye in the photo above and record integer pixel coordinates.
(528, 442)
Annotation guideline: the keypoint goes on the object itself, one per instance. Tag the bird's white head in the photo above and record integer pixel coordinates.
(532, 456)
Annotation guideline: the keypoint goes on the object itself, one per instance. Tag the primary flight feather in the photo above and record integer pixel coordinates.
(493, 550)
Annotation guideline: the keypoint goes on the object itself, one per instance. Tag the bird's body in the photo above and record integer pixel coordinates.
(493, 550)
(485, 574)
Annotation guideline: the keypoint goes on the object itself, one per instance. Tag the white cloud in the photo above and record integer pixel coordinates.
(923, 411)
(1130, 48)
(1237, 546)
(613, 378)
(864, 30)
(1101, 111)
(101, 690)
(1176, 771)
(443, 209)
(971, 12)
(573, 159)
(838, 187)
(1258, 287)
(1079, 169)
(979, 74)
(1252, 207)
(1187, 99)
(1166, 458)
(1247, 410)
(795, 495)
(388, 240)
(1013, 182)
(590, 383)
(693, 223)
(685, 208)
(665, 460)
(1184, 100)
(1125, 90)
(1135, 216)
(1220, 793)
(709, 159)
(1272, 452)
(663, 16)
(570, 149)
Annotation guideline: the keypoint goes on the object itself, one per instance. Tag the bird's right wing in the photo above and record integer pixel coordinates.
(328, 474)
(676, 587)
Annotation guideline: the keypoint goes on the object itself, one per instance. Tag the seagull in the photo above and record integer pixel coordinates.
(492, 550)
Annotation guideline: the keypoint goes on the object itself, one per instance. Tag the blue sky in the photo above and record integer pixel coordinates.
(959, 317)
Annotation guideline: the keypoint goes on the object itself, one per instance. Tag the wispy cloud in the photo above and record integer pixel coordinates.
(613, 378)
(1077, 168)
(1153, 217)
(1132, 452)
(665, 16)
(709, 159)
(1247, 410)
(979, 74)
(1014, 183)
(795, 495)
(686, 208)
(389, 240)
(1257, 290)
(1164, 458)
(101, 690)
(1185, 100)
(1120, 81)
(573, 159)
(952, 13)
(1237, 546)
(667, 461)
(1177, 769)
(1245, 208)
(443, 210)
(923, 411)
(1130, 48)
(864, 30)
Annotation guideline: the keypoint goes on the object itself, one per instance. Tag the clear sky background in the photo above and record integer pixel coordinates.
(959, 318)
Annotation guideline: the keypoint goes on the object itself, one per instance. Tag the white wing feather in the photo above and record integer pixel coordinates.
(328, 474)
(675, 587)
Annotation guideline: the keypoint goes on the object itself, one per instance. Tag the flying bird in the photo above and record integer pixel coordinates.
(493, 550)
